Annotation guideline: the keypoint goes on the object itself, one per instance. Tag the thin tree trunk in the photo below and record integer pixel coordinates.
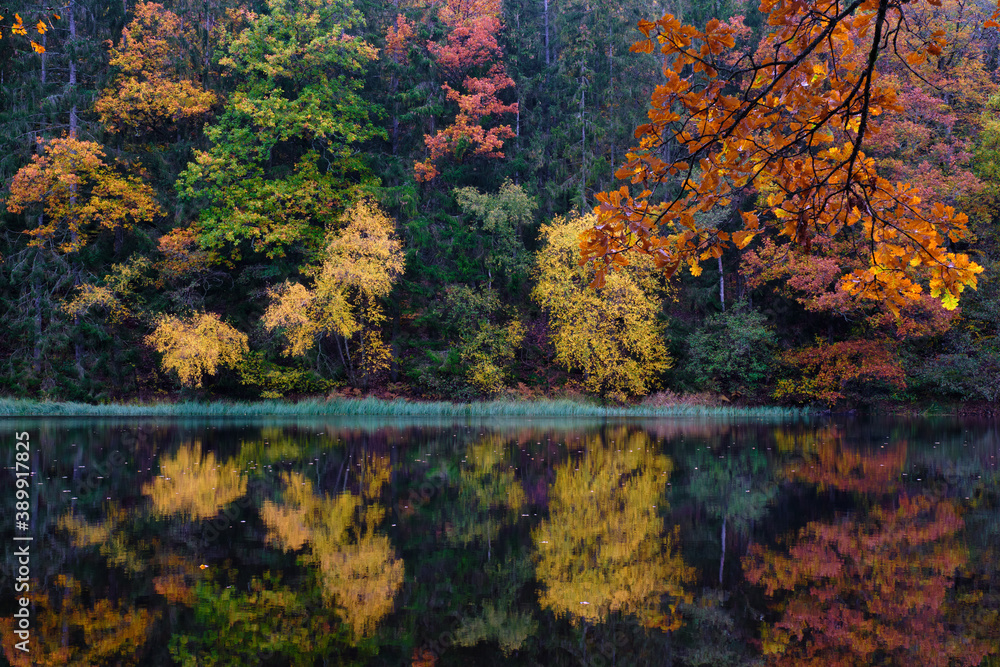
(36, 361)
(722, 285)
(72, 67)
(548, 61)
(583, 142)
(722, 559)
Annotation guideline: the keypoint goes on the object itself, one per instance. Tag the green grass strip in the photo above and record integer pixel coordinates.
(373, 407)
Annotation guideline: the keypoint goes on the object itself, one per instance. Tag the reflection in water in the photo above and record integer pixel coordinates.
(869, 591)
(194, 485)
(603, 548)
(75, 630)
(827, 462)
(185, 542)
(866, 588)
(491, 498)
(358, 567)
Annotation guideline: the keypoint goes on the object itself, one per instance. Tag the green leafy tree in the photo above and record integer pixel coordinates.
(732, 352)
(503, 218)
(284, 158)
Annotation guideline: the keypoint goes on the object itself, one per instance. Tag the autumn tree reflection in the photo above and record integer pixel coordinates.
(359, 571)
(868, 590)
(195, 485)
(825, 460)
(603, 548)
(73, 629)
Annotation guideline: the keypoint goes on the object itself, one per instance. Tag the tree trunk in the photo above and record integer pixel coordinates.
(722, 285)
(548, 60)
(722, 559)
(72, 67)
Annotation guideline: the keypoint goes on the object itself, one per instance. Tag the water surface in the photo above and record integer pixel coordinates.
(506, 542)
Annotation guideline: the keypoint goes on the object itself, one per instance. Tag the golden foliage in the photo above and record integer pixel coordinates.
(197, 346)
(360, 265)
(360, 576)
(610, 333)
(76, 192)
(603, 548)
(304, 315)
(110, 634)
(194, 485)
(149, 92)
(117, 286)
(490, 492)
(18, 28)
(181, 255)
(366, 254)
(789, 123)
(489, 352)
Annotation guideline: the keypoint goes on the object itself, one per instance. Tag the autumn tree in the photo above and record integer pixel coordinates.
(361, 263)
(611, 334)
(472, 58)
(151, 91)
(197, 346)
(832, 372)
(487, 338)
(75, 194)
(114, 294)
(790, 122)
(284, 161)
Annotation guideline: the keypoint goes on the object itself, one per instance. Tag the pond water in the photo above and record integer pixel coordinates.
(520, 542)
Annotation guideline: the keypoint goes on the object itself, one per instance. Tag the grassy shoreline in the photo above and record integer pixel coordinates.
(374, 407)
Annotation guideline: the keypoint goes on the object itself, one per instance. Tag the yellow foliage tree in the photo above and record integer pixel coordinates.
(603, 548)
(76, 192)
(149, 93)
(197, 346)
(488, 353)
(113, 292)
(360, 265)
(610, 333)
(361, 576)
(195, 485)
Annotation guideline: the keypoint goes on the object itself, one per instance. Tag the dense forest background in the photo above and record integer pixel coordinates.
(290, 197)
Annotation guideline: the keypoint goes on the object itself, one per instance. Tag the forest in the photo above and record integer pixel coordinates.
(638, 201)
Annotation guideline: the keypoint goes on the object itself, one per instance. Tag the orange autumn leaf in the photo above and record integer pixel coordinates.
(77, 194)
(791, 124)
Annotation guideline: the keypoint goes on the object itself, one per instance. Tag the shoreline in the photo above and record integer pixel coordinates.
(376, 407)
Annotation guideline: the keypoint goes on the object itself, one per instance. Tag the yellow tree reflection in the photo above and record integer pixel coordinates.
(603, 548)
(195, 485)
(489, 493)
(358, 568)
(102, 632)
